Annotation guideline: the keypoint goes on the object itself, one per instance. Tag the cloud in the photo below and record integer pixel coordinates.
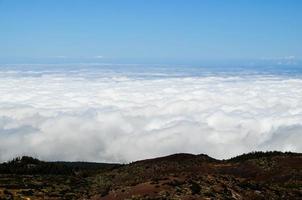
(285, 60)
(117, 117)
(60, 56)
(279, 58)
(289, 57)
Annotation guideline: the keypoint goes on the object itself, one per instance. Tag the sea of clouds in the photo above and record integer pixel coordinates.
(121, 116)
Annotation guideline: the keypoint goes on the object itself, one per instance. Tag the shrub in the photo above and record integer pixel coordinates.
(195, 188)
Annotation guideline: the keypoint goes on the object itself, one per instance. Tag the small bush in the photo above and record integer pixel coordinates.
(195, 188)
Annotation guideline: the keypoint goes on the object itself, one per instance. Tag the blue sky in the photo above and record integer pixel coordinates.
(155, 31)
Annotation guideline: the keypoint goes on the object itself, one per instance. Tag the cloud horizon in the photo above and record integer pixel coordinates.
(86, 115)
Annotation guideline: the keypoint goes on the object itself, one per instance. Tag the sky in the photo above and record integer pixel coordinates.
(135, 31)
(119, 81)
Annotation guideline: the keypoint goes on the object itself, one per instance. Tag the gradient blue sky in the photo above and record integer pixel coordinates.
(155, 31)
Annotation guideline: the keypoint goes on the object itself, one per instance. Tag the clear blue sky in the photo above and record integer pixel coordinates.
(156, 31)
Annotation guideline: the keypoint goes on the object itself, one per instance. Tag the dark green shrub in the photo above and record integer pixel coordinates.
(195, 188)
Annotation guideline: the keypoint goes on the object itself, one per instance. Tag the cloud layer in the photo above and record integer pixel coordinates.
(115, 117)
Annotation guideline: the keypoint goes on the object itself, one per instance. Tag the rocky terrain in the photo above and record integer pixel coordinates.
(257, 175)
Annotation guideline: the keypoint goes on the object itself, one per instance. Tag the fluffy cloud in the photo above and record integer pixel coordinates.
(121, 117)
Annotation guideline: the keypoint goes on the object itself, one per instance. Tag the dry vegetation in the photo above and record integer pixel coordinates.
(258, 175)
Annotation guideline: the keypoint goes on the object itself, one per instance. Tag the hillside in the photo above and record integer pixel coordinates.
(257, 175)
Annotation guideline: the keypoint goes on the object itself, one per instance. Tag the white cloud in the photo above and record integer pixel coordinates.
(289, 57)
(60, 56)
(284, 60)
(279, 58)
(85, 115)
